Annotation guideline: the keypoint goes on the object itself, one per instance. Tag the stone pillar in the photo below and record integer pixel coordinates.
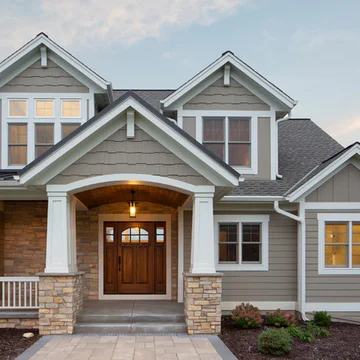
(202, 303)
(60, 300)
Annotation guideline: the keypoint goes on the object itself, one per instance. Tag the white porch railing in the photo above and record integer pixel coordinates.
(19, 293)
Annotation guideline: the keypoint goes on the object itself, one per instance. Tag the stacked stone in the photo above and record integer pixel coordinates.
(202, 300)
(19, 323)
(60, 300)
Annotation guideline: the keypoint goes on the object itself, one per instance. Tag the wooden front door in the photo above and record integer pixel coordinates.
(134, 258)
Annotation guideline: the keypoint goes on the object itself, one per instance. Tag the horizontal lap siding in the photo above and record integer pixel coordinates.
(277, 284)
(50, 79)
(325, 288)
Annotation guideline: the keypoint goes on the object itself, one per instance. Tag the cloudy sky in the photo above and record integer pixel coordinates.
(309, 48)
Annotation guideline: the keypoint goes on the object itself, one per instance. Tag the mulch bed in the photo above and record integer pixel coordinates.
(343, 344)
(12, 342)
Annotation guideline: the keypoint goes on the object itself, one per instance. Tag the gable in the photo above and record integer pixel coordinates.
(50, 79)
(344, 186)
(120, 155)
(220, 97)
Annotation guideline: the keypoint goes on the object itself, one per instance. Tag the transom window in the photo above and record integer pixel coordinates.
(229, 138)
(70, 108)
(67, 129)
(135, 235)
(17, 144)
(339, 243)
(242, 242)
(44, 108)
(18, 108)
(44, 138)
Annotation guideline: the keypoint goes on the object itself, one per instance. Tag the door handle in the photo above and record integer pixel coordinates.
(119, 262)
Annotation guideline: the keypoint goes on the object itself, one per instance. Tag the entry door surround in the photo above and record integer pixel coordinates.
(122, 218)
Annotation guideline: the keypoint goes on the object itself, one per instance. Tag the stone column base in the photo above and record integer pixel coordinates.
(60, 299)
(202, 302)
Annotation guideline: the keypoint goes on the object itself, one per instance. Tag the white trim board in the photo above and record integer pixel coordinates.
(262, 305)
(180, 277)
(140, 217)
(332, 206)
(331, 306)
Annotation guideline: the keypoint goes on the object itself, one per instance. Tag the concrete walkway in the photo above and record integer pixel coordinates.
(149, 347)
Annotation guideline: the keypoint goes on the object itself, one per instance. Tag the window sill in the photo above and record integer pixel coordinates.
(243, 267)
(339, 271)
(245, 170)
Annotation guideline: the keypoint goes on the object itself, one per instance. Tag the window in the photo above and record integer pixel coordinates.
(242, 242)
(67, 129)
(44, 108)
(109, 232)
(70, 108)
(135, 235)
(17, 144)
(18, 108)
(44, 138)
(229, 138)
(339, 243)
(160, 234)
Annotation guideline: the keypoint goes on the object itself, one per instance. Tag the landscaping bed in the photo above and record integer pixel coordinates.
(344, 343)
(12, 342)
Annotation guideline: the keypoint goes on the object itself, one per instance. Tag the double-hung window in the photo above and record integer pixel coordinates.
(339, 243)
(242, 242)
(17, 144)
(229, 138)
(44, 138)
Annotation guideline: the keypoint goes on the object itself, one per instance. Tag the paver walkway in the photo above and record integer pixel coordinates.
(127, 347)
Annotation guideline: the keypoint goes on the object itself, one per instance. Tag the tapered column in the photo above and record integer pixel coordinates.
(61, 234)
(202, 242)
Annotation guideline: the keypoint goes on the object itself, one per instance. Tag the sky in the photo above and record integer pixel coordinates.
(308, 48)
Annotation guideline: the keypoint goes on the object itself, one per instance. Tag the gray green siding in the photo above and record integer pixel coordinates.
(277, 284)
(119, 155)
(52, 79)
(325, 288)
(189, 125)
(342, 187)
(219, 97)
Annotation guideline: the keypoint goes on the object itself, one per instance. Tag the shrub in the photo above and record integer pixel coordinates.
(247, 316)
(322, 318)
(280, 318)
(310, 334)
(317, 330)
(275, 342)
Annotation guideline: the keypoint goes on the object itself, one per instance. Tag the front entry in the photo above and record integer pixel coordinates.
(134, 258)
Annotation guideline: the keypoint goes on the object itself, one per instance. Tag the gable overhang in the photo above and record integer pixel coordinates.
(111, 119)
(28, 54)
(242, 67)
(297, 193)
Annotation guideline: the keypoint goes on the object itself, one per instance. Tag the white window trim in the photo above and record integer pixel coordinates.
(253, 168)
(329, 217)
(70, 117)
(239, 219)
(30, 119)
(44, 117)
(17, 99)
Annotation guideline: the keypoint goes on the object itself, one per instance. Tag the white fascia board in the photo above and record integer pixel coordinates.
(272, 89)
(42, 39)
(323, 175)
(239, 198)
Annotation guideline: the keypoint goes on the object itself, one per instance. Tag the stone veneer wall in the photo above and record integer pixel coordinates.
(87, 241)
(202, 302)
(60, 300)
(19, 323)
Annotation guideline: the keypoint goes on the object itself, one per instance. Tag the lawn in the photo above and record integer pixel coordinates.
(343, 344)
(12, 342)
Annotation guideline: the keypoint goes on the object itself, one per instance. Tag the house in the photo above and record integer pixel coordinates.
(208, 195)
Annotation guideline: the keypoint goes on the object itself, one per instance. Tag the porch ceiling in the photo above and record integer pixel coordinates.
(121, 193)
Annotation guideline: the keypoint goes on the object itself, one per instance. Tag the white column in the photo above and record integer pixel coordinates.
(61, 234)
(202, 242)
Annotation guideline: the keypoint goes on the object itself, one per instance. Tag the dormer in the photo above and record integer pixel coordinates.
(45, 94)
(232, 110)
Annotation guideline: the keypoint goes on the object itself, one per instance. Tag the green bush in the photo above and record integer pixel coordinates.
(310, 334)
(280, 318)
(322, 318)
(317, 330)
(275, 342)
(247, 316)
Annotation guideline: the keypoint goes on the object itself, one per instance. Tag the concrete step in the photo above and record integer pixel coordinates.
(130, 318)
(121, 328)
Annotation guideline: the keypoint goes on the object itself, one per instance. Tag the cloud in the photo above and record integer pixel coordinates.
(316, 38)
(72, 22)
